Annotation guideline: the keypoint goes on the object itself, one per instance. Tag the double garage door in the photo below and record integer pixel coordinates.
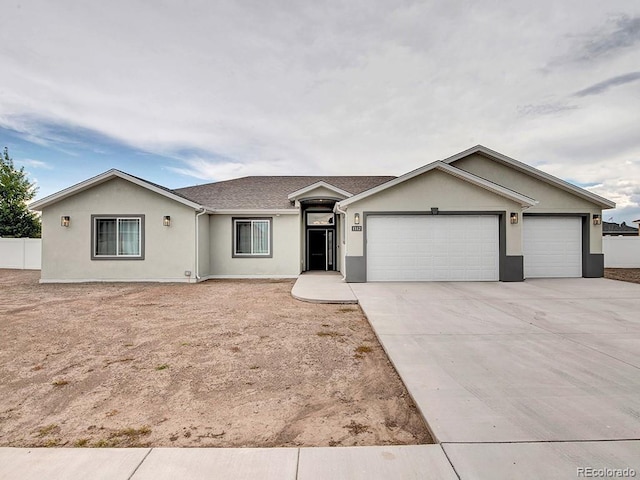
(466, 247)
(432, 248)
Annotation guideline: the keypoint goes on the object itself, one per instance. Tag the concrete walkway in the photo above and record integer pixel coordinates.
(518, 380)
(323, 287)
(349, 463)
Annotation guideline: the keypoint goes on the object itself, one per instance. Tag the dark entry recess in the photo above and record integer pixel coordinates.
(320, 249)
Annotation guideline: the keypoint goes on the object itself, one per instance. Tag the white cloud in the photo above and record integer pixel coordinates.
(334, 87)
(27, 162)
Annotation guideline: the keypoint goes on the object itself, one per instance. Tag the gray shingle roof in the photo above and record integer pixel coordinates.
(268, 192)
(614, 228)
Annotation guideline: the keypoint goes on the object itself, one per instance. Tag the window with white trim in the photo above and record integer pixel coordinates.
(252, 237)
(117, 237)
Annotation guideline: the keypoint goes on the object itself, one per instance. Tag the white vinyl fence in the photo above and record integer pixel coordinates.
(21, 253)
(621, 252)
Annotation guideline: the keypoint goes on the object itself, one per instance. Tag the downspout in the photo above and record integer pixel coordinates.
(344, 232)
(198, 244)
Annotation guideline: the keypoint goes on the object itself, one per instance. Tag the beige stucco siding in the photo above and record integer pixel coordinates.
(204, 249)
(433, 189)
(551, 198)
(285, 260)
(321, 192)
(168, 251)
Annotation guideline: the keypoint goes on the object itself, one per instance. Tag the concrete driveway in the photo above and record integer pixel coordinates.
(553, 360)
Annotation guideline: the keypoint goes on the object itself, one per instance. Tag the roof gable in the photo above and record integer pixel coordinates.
(533, 172)
(106, 176)
(456, 172)
(318, 185)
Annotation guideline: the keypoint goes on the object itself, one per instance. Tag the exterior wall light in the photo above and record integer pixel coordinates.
(166, 221)
(65, 220)
(597, 219)
(514, 218)
(356, 219)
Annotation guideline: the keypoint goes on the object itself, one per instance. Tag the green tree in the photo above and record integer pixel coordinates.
(15, 192)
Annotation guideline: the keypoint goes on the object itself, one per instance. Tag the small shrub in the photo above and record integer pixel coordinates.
(356, 428)
(330, 333)
(132, 432)
(81, 442)
(52, 442)
(163, 366)
(47, 430)
(364, 349)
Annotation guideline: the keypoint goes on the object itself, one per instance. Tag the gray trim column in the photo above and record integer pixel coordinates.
(356, 269)
(511, 266)
(592, 263)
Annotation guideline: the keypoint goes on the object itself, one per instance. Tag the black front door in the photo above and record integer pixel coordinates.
(317, 249)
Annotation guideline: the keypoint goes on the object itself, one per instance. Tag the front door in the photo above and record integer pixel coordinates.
(320, 249)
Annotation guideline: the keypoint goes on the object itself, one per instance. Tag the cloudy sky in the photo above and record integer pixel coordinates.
(185, 92)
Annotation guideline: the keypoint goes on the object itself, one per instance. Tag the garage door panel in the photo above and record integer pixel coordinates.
(552, 247)
(432, 248)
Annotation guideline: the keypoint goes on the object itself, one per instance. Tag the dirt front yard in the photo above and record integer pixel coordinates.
(625, 274)
(220, 364)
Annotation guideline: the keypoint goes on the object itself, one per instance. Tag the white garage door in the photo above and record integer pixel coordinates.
(432, 248)
(552, 247)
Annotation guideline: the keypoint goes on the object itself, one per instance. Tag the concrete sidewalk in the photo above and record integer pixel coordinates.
(322, 287)
(335, 463)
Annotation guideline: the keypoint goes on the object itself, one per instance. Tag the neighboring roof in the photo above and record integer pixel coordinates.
(270, 193)
(545, 177)
(106, 176)
(621, 229)
(456, 172)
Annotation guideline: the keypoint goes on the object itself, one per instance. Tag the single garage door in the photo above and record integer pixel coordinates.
(552, 247)
(432, 248)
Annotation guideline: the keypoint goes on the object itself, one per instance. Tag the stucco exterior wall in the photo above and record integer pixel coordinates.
(432, 189)
(321, 192)
(204, 249)
(285, 259)
(168, 251)
(551, 199)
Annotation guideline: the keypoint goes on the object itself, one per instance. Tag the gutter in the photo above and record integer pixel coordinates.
(204, 210)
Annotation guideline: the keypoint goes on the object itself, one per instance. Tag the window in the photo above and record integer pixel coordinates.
(320, 218)
(118, 237)
(252, 237)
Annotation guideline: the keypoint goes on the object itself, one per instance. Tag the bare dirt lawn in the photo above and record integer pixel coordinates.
(625, 274)
(219, 364)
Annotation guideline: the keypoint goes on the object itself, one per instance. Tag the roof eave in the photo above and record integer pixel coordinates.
(104, 177)
(254, 211)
